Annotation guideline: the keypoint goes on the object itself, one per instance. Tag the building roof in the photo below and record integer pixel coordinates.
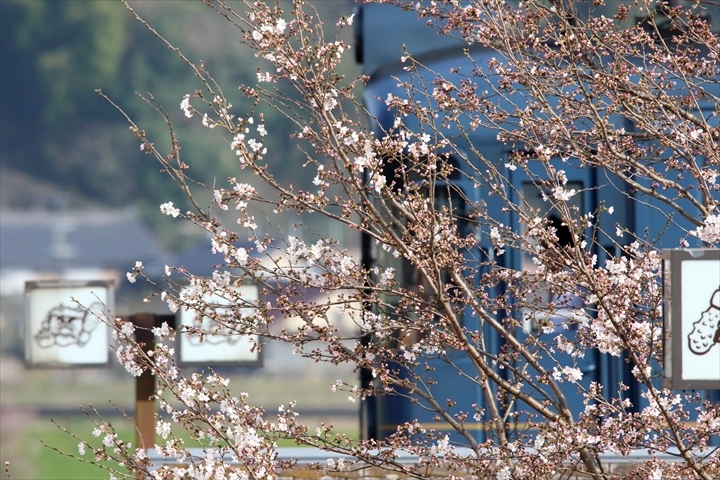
(53, 241)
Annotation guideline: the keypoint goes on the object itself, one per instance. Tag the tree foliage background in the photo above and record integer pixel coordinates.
(56, 54)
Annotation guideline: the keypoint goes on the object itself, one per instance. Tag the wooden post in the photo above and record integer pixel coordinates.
(145, 385)
(145, 405)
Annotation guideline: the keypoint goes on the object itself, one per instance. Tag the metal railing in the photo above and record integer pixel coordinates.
(312, 463)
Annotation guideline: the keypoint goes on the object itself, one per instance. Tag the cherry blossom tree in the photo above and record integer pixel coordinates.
(568, 87)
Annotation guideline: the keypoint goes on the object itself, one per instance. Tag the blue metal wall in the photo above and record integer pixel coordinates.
(383, 32)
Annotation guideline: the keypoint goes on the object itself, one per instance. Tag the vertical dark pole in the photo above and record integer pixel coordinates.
(368, 414)
(145, 385)
(145, 405)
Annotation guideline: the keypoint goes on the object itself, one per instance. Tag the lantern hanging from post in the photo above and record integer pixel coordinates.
(65, 322)
(691, 327)
(224, 346)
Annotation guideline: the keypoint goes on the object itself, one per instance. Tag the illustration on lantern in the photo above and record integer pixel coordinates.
(215, 335)
(66, 325)
(706, 331)
(214, 332)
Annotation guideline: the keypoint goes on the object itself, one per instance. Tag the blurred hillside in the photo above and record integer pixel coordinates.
(22, 191)
(60, 142)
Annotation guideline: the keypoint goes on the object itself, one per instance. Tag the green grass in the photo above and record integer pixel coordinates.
(52, 388)
(40, 442)
(40, 462)
(30, 389)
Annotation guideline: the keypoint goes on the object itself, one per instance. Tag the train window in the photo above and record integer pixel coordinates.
(446, 197)
(453, 198)
(455, 174)
(533, 200)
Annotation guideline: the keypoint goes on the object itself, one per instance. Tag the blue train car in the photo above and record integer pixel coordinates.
(383, 34)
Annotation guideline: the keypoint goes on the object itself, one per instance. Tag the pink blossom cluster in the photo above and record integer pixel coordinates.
(442, 286)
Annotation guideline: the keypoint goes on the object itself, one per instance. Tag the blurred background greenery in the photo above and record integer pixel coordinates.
(58, 132)
(65, 149)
